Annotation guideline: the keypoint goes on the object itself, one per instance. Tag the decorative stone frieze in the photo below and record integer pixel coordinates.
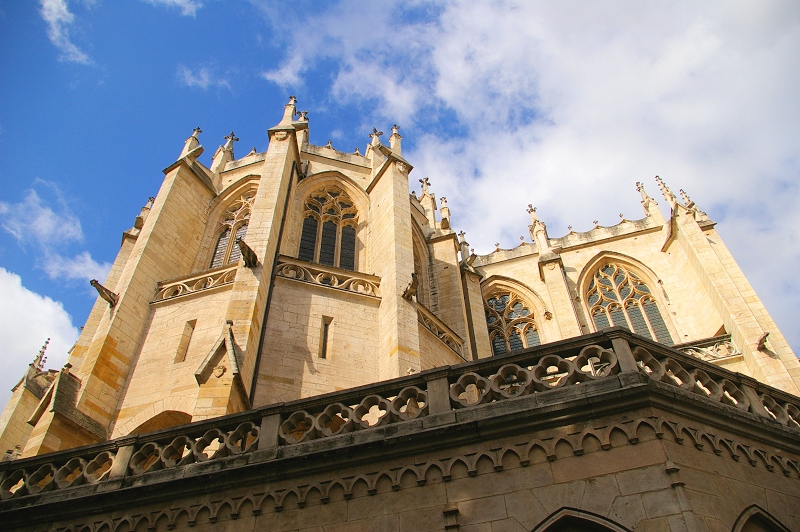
(195, 283)
(359, 283)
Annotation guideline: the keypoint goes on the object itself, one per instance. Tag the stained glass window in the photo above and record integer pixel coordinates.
(618, 296)
(234, 220)
(329, 229)
(510, 321)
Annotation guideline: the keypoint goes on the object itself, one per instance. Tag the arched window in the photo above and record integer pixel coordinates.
(234, 223)
(618, 297)
(330, 222)
(511, 323)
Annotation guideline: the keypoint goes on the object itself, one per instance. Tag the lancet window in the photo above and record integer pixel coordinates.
(511, 323)
(330, 222)
(618, 297)
(233, 228)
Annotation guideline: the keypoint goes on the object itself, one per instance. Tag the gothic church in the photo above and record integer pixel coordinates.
(291, 340)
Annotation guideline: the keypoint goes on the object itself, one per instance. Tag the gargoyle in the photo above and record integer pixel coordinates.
(249, 256)
(411, 289)
(105, 293)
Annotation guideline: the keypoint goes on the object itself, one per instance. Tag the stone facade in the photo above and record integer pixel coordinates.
(316, 348)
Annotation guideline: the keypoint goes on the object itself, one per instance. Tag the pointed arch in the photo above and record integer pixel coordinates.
(756, 519)
(327, 221)
(422, 267)
(514, 314)
(572, 519)
(618, 290)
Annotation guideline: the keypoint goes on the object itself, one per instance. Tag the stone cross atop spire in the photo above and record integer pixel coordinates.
(192, 142)
(395, 141)
(375, 136)
(425, 185)
(538, 232)
(289, 110)
(230, 139)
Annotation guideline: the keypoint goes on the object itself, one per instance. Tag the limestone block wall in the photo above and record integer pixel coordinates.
(433, 352)
(14, 427)
(291, 366)
(162, 375)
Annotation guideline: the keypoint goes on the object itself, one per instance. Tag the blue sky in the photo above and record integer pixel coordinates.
(564, 105)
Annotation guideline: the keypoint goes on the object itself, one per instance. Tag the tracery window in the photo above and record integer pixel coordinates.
(233, 228)
(330, 221)
(511, 323)
(617, 296)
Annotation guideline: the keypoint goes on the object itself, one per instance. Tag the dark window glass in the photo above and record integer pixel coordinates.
(638, 321)
(601, 320)
(498, 345)
(347, 255)
(236, 252)
(308, 239)
(515, 340)
(328, 246)
(222, 247)
(659, 327)
(618, 317)
(532, 337)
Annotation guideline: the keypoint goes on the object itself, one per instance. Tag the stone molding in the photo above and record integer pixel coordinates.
(328, 276)
(196, 282)
(440, 329)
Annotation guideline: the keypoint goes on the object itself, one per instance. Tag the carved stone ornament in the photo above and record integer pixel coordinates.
(219, 371)
(281, 135)
(401, 167)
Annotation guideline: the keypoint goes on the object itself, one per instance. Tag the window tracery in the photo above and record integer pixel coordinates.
(616, 296)
(511, 323)
(330, 222)
(234, 223)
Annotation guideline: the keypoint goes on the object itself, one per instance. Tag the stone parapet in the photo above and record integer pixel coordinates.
(566, 383)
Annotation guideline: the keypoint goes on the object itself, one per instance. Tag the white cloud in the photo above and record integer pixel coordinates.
(81, 266)
(32, 222)
(58, 17)
(29, 319)
(203, 78)
(567, 105)
(188, 7)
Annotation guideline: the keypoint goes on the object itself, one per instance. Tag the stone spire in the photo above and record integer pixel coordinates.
(649, 205)
(375, 136)
(668, 195)
(224, 154)
(38, 362)
(463, 246)
(289, 112)
(692, 206)
(444, 210)
(428, 202)
(302, 133)
(191, 143)
(395, 141)
(539, 232)
(139, 222)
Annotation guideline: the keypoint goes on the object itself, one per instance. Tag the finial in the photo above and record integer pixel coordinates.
(668, 195)
(329, 144)
(425, 185)
(230, 140)
(471, 251)
(292, 100)
(443, 202)
(596, 223)
(395, 129)
(302, 116)
(196, 131)
(569, 228)
(358, 152)
(252, 152)
(497, 246)
(685, 197)
(375, 136)
(462, 236)
(622, 217)
(647, 201)
(692, 206)
(38, 362)
(521, 240)
(532, 211)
